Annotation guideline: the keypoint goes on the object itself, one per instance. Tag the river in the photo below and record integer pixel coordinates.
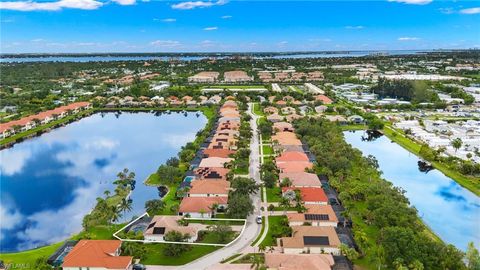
(49, 183)
(450, 210)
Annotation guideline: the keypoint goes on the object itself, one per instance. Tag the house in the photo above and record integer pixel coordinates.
(298, 166)
(214, 162)
(288, 110)
(324, 99)
(270, 110)
(211, 173)
(310, 195)
(204, 77)
(316, 215)
(236, 76)
(301, 179)
(209, 188)
(281, 103)
(312, 240)
(282, 127)
(161, 225)
(356, 119)
(222, 153)
(321, 108)
(292, 156)
(275, 118)
(293, 117)
(97, 254)
(201, 207)
(336, 118)
(282, 261)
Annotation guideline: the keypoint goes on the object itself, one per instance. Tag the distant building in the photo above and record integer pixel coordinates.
(204, 77)
(237, 76)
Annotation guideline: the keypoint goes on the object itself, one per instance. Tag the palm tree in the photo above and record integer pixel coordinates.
(285, 203)
(213, 208)
(256, 262)
(106, 193)
(125, 205)
(457, 143)
(262, 248)
(115, 214)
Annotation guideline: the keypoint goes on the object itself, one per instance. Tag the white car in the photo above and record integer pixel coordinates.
(259, 219)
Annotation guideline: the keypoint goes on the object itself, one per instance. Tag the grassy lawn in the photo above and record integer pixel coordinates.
(155, 256)
(257, 109)
(153, 180)
(248, 258)
(273, 221)
(274, 194)
(27, 258)
(267, 150)
(241, 170)
(353, 127)
(267, 159)
(470, 183)
(212, 238)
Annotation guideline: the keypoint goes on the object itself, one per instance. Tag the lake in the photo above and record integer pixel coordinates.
(106, 58)
(49, 183)
(450, 210)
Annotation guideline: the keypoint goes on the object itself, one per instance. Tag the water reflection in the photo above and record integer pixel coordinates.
(450, 210)
(50, 182)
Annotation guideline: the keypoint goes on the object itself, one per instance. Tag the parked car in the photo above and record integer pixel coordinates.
(259, 219)
(138, 266)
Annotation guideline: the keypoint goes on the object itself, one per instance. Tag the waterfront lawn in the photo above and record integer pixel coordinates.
(170, 200)
(274, 194)
(26, 259)
(155, 256)
(153, 179)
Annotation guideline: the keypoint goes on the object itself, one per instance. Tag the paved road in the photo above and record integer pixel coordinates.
(252, 230)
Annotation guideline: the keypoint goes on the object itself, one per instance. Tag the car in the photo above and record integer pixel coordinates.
(138, 266)
(259, 219)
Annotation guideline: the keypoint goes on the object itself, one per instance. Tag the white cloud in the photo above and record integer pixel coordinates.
(165, 43)
(37, 40)
(356, 27)
(226, 17)
(408, 38)
(198, 4)
(51, 6)
(10, 218)
(16, 161)
(125, 2)
(210, 28)
(475, 10)
(412, 2)
(169, 20)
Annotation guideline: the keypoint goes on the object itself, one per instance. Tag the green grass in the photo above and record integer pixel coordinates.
(155, 256)
(257, 109)
(236, 86)
(231, 257)
(248, 258)
(212, 238)
(353, 127)
(153, 180)
(240, 170)
(470, 183)
(267, 150)
(274, 194)
(273, 221)
(28, 257)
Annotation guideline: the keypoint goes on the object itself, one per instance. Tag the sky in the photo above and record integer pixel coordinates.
(77, 26)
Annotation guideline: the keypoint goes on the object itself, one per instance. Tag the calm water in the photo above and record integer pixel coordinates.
(189, 58)
(450, 210)
(49, 183)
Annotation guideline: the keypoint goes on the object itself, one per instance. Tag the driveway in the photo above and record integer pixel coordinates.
(252, 229)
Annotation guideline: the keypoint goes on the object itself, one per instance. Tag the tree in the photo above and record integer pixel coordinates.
(286, 182)
(269, 179)
(348, 252)
(154, 207)
(133, 249)
(457, 143)
(223, 232)
(244, 185)
(168, 175)
(173, 161)
(257, 262)
(472, 257)
(175, 250)
(239, 205)
(125, 205)
(285, 203)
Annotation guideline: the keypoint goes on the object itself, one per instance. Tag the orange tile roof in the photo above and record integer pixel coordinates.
(302, 179)
(324, 99)
(297, 166)
(215, 162)
(310, 194)
(209, 187)
(199, 204)
(97, 253)
(223, 153)
(282, 261)
(292, 156)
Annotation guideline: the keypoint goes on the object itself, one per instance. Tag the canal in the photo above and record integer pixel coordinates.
(49, 183)
(450, 210)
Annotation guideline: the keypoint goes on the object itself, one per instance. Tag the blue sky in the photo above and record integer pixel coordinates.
(220, 25)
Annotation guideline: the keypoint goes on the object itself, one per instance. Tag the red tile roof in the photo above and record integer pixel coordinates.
(223, 153)
(292, 156)
(97, 253)
(310, 194)
(199, 204)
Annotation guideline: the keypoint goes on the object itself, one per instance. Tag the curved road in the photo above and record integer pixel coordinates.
(252, 229)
